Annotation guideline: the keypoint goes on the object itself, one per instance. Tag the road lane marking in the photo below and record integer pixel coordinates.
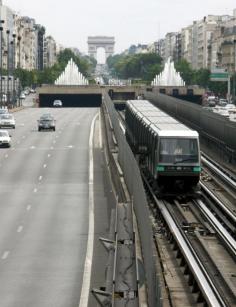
(45, 165)
(5, 255)
(40, 178)
(20, 228)
(85, 290)
(32, 147)
(51, 147)
(49, 155)
(35, 190)
(6, 156)
(28, 208)
(54, 142)
(100, 131)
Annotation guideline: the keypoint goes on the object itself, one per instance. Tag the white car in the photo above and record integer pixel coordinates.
(22, 96)
(7, 120)
(5, 138)
(57, 103)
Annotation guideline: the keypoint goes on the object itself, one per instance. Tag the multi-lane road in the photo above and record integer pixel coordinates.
(44, 201)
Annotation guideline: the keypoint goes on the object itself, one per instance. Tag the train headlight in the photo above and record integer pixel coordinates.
(160, 168)
(197, 169)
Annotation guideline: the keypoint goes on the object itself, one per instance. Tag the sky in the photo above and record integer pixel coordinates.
(70, 22)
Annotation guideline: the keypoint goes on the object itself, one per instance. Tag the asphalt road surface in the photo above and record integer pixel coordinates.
(44, 209)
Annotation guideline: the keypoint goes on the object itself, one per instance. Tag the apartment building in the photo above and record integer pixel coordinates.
(7, 18)
(50, 52)
(170, 45)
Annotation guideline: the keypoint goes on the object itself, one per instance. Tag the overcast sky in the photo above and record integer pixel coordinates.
(70, 22)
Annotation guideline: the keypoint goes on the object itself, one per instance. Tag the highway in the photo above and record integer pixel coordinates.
(44, 209)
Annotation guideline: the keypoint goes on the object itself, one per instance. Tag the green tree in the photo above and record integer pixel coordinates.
(185, 70)
(137, 66)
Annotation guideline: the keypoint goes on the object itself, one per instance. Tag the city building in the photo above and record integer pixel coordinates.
(7, 18)
(170, 45)
(50, 52)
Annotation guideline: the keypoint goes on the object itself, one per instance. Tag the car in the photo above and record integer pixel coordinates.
(7, 120)
(57, 103)
(222, 102)
(22, 96)
(5, 138)
(46, 122)
(3, 111)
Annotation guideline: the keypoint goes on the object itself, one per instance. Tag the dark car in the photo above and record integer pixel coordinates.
(46, 122)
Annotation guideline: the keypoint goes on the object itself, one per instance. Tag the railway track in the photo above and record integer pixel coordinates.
(203, 273)
(226, 176)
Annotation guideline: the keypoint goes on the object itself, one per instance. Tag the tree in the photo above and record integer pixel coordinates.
(186, 72)
(138, 66)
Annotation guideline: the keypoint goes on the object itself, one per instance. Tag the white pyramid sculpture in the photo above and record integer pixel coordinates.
(169, 76)
(71, 76)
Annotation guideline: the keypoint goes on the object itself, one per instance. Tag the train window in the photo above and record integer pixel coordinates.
(176, 150)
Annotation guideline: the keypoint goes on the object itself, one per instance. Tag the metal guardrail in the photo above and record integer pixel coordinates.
(136, 190)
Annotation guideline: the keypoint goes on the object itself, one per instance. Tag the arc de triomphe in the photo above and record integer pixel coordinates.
(106, 42)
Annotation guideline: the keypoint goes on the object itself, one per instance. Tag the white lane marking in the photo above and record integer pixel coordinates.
(6, 156)
(40, 178)
(20, 228)
(5, 255)
(70, 146)
(89, 254)
(45, 165)
(23, 137)
(35, 190)
(57, 136)
(32, 147)
(54, 142)
(51, 147)
(49, 155)
(28, 208)
(100, 130)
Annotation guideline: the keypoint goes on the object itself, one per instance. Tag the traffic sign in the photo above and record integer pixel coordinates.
(219, 76)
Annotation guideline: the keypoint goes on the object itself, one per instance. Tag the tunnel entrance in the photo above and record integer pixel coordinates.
(71, 100)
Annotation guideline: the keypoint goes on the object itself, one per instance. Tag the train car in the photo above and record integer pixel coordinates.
(166, 148)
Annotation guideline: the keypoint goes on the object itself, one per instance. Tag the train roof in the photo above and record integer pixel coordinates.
(160, 122)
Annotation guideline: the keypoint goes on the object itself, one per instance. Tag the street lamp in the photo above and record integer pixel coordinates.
(13, 68)
(8, 65)
(18, 66)
(234, 70)
(1, 38)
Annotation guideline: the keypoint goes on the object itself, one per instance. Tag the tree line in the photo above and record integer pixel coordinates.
(35, 77)
(146, 66)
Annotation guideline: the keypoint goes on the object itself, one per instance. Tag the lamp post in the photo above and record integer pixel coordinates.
(234, 70)
(18, 66)
(8, 65)
(13, 68)
(1, 38)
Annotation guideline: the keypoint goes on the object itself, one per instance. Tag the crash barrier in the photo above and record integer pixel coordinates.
(216, 132)
(134, 184)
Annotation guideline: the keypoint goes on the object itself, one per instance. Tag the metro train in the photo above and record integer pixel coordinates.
(166, 148)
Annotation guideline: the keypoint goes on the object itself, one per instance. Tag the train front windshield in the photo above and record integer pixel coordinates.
(177, 150)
